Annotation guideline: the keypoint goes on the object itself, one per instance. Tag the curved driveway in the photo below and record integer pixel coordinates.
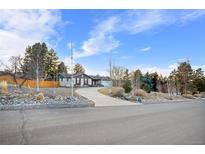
(100, 99)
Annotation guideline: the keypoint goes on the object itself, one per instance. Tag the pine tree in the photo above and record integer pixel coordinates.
(147, 82)
(185, 73)
(27, 65)
(154, 79)
(35, 55)
(62, 68)
(199, 80)
(51, 68)
(127, 86)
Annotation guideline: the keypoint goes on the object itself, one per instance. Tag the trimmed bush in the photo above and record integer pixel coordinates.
(117, 92)
(127, 86)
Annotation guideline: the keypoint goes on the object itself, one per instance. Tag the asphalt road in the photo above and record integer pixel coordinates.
(176, 123)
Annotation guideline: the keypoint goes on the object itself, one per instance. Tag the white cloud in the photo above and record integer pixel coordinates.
(192, 15)
(20, 28)
(145, 49)
(136, 21)
(101, 72)
(124, 57)
(153, 69)
(102, 36)
(173, 66)
(198, 66)
(115, 52)
(101, 39)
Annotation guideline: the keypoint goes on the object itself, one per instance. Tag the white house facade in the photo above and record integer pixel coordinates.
(83, 80)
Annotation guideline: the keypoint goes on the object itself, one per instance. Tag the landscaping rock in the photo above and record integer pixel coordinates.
(40, 97)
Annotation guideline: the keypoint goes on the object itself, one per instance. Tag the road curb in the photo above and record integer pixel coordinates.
(44, 106)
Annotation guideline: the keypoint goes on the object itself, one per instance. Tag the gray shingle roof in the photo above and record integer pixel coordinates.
(95, 77)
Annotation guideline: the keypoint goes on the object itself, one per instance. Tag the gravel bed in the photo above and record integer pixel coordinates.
(29, 97)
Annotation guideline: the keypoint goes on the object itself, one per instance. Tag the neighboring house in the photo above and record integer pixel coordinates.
(83, 80)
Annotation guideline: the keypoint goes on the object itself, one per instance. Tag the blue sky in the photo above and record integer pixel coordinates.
(152, 40)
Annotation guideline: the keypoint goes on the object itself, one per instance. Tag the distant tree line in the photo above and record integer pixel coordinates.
(183, 80)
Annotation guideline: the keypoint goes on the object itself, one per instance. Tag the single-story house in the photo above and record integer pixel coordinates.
(83, 80)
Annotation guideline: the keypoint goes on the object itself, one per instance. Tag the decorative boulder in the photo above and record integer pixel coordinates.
(40, 97)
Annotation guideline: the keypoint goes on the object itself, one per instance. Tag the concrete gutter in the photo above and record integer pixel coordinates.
(45, 106)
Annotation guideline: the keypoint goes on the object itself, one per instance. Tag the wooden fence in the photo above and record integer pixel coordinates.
(30, 83)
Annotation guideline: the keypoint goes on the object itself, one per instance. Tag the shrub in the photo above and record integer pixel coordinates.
(140, 92)
(117, 91)
(4, 86)
(127, 86)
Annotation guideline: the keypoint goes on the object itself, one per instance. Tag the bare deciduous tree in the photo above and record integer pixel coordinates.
(15, 67)
(118, 73)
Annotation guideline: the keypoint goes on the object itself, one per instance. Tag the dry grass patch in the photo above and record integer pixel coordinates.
(104, 91)
(202, 95)
(114, 91)
(117, 91)
(4, 87)
(140, 92)
(189, 96)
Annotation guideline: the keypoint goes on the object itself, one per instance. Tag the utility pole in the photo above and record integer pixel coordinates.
(37, 78)
(71, 52)
(110, 65)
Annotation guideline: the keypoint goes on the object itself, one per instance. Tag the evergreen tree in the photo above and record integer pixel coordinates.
(147, 82)
(199, 80)
(184, 74)
(51, 68)
(27, 65)
(127, 86)
(154, 79)
(35, 56)
(62, 68)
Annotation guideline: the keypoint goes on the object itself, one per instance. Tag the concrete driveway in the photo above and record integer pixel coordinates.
(100, 99)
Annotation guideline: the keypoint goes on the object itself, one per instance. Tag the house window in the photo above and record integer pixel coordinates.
(90, 82)
(86, 81)
(78, 80)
